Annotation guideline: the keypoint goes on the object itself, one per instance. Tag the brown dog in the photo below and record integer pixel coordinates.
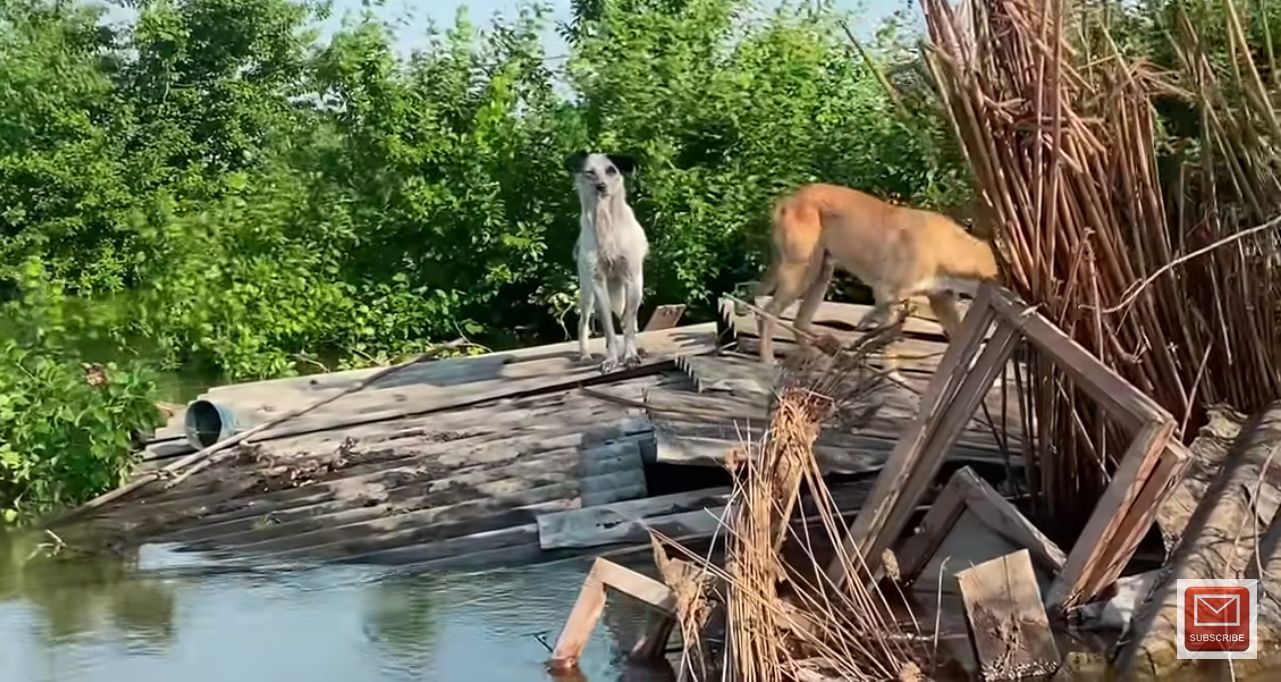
(898, 251)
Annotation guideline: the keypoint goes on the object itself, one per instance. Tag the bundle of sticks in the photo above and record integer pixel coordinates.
(1156, 254)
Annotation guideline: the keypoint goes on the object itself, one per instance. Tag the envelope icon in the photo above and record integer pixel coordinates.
(1221, 610)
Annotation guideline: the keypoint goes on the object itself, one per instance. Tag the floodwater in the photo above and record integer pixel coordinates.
(160, 615)
(155, 614)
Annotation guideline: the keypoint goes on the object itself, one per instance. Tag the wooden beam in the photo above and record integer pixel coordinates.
(1008, 624)
(1092, 547)
(591, 603)
(956, 387)
(870, 525)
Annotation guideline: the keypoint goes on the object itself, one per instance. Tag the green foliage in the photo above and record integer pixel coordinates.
(67, 429)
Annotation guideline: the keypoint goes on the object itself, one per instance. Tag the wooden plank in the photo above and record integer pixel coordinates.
(582, 619)
(947, 428)
(1003, 517)
(966, 490)
(664, 317)
(391, 400)
(1133, 408)
(694, 515)
(1092, 546)
(1140, 517)
(617, 522)
(870, 525)
(591, 603)
(1008, 622)
(921, 321)
(915, 355)
(917, 550)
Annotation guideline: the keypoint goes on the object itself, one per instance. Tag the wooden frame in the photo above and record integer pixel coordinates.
(591, 603)
(964, 376)
(965, 491)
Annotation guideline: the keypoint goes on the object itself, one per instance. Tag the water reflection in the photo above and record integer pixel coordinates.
(74, 595)
(156, 614)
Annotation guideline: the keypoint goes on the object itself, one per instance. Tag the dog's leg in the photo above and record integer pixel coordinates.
(813, 298)
(586, 307)
(943, 303)
(605, 311)
(633, 289)
(789, 283)
(890, 308)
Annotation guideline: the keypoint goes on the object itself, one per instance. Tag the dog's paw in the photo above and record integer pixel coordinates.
(585, 358)
(610, 365)
(631, 361)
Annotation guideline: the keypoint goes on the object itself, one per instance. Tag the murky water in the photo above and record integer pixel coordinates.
(163, 615)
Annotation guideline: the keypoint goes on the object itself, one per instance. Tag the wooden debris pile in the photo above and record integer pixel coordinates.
(821, 599)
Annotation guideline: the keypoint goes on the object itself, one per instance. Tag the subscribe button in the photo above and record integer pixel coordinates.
(1217, 618)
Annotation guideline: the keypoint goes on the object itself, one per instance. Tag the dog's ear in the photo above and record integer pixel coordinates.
(624, 162)
(574, 162)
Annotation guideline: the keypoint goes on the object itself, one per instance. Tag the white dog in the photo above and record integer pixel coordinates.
(610, 253)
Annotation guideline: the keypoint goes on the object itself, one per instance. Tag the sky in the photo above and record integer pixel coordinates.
(417, 15)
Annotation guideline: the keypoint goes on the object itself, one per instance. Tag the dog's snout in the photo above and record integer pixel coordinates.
(600, 187)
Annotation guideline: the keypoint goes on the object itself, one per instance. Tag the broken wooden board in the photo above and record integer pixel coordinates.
(664, 317)
(965, 376)
(1008, 623)
(590, 604)
(966, 491)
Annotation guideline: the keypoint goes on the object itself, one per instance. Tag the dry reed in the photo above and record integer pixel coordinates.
(1060, 131)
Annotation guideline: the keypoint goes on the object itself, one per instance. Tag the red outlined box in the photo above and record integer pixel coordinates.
(1217, 618)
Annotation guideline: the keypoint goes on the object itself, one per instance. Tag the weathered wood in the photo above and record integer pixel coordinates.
(591, 602)
(664, 317)
(870, 526)
(697, 515)
(752, 380)
(546, 372)
(1094, 550)
(966, 490)
(1218, 541)
(516, 505)
(914, 462)
(1138, 520)
(188, 465)
(1008, 623)
(618, 522)
(919, 321)
(705, 444)
(1131, 407)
